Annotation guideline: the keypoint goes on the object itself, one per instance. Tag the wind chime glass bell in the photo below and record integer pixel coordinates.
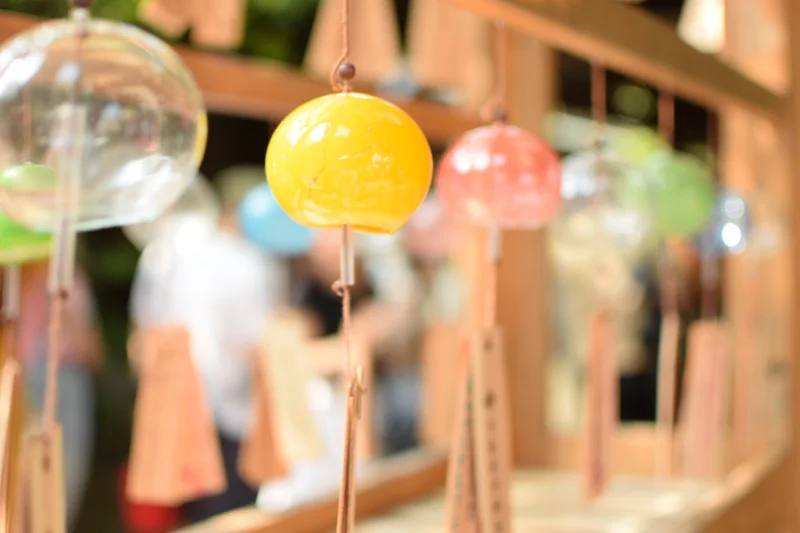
(138, 116)
(683, 191)
(500, 176)
(20, 245)
(349, 159)
(601, 234)
(193, 217)
(596, 212)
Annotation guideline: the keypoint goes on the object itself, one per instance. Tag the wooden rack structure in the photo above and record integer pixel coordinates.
(762, 494)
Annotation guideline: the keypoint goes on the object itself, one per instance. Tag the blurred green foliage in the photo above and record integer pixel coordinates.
(274, 29)
(41, 8)
(123, 10)
(278, 29)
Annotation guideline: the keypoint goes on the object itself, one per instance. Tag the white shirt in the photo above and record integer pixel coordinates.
(387, 267)
(392, 276)
(222, 291)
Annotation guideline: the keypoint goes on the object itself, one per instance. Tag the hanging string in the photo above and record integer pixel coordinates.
(9, 312)
(599, 97)
(343, 72)
(666, 117)
(494, 110)
(669, 285)
(342, 75)
(53, 356)
(62, 263)
(494, 248)
(27, 125)
(711, 141)
(709, 266)
(9, 377)
(343, 291)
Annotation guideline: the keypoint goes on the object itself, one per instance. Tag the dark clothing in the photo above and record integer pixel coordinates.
(239, 494)
(397, 395)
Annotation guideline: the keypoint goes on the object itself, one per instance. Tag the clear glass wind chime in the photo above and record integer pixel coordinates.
(114, 131)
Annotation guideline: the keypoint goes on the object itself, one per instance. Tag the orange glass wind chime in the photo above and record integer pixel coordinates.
(497, 177)
(354, 162)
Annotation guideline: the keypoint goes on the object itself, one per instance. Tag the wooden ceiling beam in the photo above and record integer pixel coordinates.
(268, 90)
(629, 40)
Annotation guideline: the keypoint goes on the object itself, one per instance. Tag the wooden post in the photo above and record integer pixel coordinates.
(791, 134)
(753, 285)
(523, 279)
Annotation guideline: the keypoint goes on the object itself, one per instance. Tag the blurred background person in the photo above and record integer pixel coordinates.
(430, 238)
(81, 354)
(223, 290)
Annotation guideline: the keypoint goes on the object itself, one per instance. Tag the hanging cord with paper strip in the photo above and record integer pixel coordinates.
(479, 477)
(342, 74)
(49, 507)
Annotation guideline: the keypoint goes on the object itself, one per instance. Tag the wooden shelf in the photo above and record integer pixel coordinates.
(752, 494)
(268, 90)
(388, 484)
(631, 41)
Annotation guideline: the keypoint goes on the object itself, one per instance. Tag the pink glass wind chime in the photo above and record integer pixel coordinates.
(498, 177)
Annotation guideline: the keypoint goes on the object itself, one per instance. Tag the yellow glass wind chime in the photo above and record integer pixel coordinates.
(92, 153)
(357, 163)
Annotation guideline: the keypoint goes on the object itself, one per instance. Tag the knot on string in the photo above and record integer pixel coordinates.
(599, 114)
(357, 390)
(343, 291)
(494, 110)
(339, 288)
(343, 72)
(61, 294)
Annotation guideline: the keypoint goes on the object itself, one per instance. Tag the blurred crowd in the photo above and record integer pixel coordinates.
(198, 268)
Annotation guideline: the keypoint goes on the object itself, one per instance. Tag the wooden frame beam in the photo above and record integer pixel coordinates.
(628, 40)
(789, 139)
(268, 90)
